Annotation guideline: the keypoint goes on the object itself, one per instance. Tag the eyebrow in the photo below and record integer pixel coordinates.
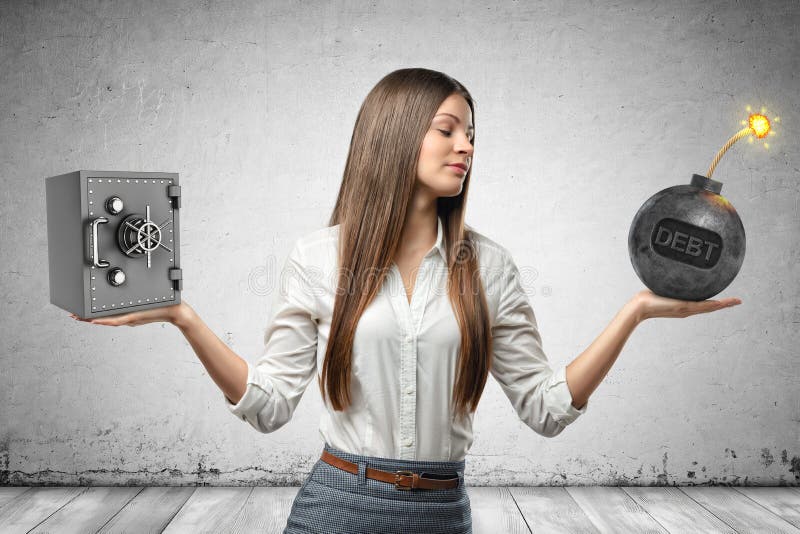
(456, 118)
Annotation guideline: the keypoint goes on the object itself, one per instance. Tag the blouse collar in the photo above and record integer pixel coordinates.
(440, 240)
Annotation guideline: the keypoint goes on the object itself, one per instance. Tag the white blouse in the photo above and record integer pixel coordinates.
(404, 356)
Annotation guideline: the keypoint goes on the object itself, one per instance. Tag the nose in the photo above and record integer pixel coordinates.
(464, 146)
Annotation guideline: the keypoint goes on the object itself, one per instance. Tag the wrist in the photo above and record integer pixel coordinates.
(181, 315)
(635, 308)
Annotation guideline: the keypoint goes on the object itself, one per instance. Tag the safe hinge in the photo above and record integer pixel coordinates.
(174, 193)
(176, 276)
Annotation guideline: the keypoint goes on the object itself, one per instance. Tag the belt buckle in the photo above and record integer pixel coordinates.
(397, 476)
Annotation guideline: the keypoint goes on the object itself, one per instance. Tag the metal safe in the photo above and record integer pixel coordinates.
(113, 241)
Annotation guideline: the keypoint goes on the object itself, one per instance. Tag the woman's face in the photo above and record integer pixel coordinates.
(448, 142)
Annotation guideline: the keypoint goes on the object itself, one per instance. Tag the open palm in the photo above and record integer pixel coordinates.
(652, 305)
(165, 314)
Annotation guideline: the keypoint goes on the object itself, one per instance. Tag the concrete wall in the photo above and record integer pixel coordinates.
(584, 110)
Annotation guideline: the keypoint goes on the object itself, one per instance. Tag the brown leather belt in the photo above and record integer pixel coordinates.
(402, 480)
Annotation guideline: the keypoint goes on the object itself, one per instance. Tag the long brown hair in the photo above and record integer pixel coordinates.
(376, 190)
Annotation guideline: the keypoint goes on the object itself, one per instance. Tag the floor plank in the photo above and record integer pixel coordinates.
(514, 510)
(675, 511)
(740, 512)
(89, 511)
(149, 511)
(265, 511)
(551, 509)
(612, 510)
(494, 510)
(783, 502)
(209, 509)
(34, 506)
(9, 493)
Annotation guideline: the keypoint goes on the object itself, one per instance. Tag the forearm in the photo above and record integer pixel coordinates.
(227, 369)
(586, 371)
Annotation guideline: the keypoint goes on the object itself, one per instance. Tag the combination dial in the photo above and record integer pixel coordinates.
(139, 235)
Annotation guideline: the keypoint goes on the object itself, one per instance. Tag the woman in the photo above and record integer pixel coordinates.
(401, 311)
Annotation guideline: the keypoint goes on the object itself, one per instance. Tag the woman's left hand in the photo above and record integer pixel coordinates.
(650, 306)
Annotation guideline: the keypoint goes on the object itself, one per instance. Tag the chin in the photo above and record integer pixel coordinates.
(447, 186)
(450, 191)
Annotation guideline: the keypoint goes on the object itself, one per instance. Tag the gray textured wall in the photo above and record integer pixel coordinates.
(583, 112)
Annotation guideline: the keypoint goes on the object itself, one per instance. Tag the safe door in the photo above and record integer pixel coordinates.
(131, 238)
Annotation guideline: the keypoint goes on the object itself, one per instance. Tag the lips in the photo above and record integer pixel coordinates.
(459, 166)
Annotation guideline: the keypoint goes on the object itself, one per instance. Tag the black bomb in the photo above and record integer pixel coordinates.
(687, 241)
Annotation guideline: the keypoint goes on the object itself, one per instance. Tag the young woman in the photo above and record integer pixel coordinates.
(401, 311)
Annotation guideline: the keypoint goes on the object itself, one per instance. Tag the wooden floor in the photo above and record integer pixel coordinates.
(494, 509)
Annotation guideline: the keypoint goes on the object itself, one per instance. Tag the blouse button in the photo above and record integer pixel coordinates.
(408, 442)
(410, 390)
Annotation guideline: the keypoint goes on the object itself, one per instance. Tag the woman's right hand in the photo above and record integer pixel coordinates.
(166, 314)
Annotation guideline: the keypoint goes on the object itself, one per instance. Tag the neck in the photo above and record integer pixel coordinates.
(420, 225)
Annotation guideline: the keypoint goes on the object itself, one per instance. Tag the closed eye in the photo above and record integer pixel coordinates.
(447, 133)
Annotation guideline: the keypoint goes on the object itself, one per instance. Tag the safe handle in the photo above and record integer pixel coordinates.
(96, 261)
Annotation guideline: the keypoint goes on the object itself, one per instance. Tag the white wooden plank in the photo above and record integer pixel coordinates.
(9, 493)
(209, 510)
(34, 506)
(265, 511)
(783, 502)
(494, 510)
(551, 510)
(740, 512)
(149, 511)
(88, 511)
(675, 511)
(612, 510)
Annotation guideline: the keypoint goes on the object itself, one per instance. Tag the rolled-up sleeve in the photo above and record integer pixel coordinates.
(539, 395)
(278, 379)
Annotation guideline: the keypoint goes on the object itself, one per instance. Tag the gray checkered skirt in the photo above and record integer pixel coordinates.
(334, 501)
